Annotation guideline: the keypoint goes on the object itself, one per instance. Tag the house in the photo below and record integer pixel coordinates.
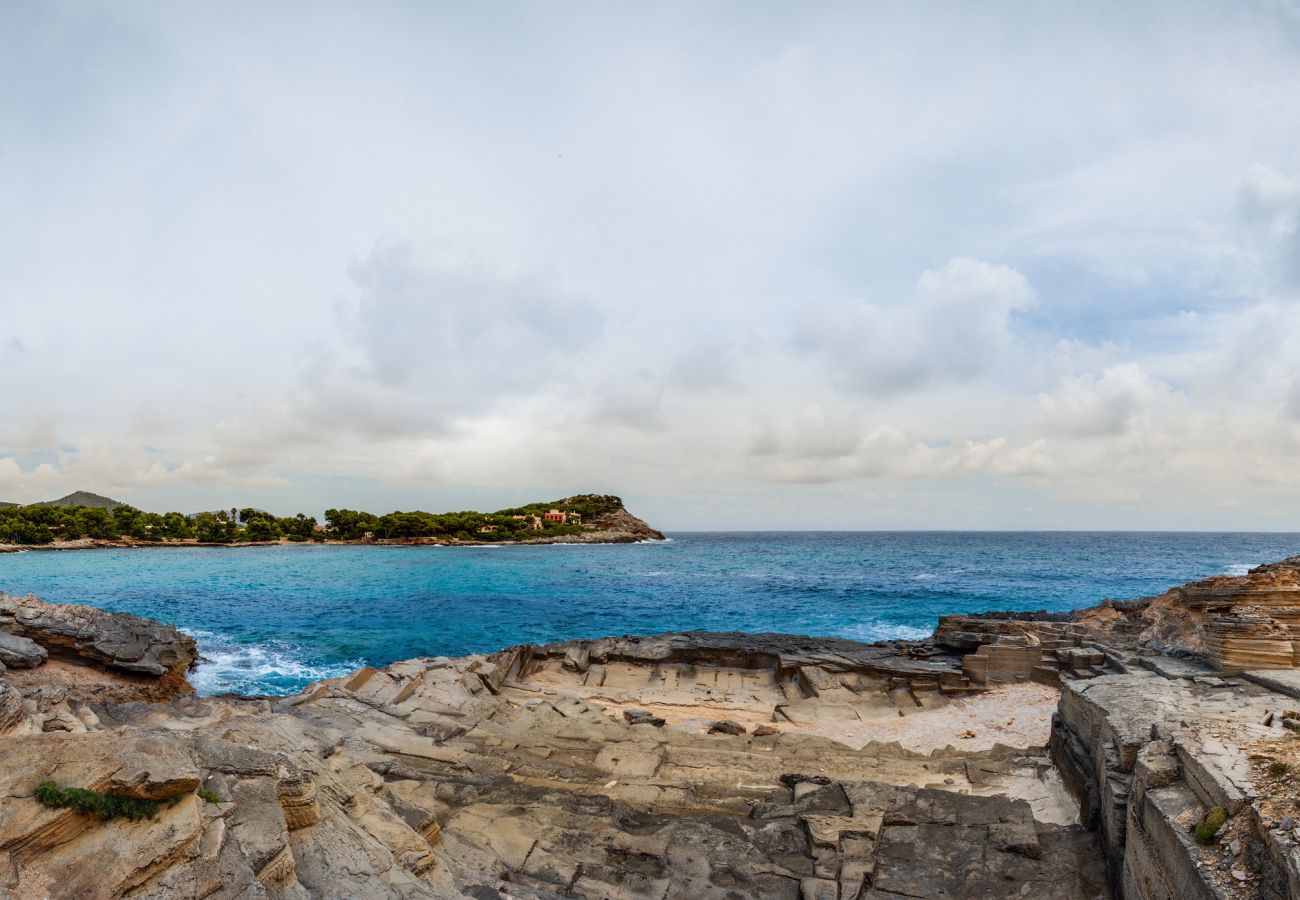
(534, 523)
(487, 529)
(554, 517)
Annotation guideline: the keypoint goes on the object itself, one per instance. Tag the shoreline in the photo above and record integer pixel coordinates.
(100, 544)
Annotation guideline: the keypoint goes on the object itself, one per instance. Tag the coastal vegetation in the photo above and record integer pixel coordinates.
(47, 523)
(97, 803)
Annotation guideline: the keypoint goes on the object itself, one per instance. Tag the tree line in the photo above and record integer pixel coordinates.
(35, 525)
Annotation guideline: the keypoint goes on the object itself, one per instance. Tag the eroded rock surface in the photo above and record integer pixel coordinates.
(117, 640)
(685, 765)
(503, 775)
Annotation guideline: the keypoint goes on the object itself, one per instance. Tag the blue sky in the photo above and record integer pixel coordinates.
(932, 265)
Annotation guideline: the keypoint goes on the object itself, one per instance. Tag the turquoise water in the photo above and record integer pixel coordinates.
(271, 619)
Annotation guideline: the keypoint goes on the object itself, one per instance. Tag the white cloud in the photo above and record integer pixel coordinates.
(1110, 403)
(957, 327)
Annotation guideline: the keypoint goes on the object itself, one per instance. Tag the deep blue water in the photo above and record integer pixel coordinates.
(271, 619)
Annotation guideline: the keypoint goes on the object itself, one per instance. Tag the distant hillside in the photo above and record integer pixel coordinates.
(4, 505)
(82, 498)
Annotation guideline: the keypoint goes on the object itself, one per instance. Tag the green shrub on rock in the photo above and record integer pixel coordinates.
(1213, 821)
(106, 806)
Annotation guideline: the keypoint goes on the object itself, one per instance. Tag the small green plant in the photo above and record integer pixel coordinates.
(105, 806)
(1277, 769)
(1213, 821)
(209, 796)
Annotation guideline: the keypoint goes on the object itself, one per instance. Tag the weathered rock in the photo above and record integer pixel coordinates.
(20, 652)
(524, 773)
(641, 717)
(11, 707)
(118, 640)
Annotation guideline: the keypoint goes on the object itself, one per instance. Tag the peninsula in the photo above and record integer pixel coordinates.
(1147, 750)
(86, 521)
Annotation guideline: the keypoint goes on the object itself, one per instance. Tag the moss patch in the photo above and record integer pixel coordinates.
(1213, 821)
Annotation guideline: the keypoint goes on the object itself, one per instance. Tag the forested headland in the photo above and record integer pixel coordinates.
(44, 524)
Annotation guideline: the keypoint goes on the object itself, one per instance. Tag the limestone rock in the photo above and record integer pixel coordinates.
(117, 640)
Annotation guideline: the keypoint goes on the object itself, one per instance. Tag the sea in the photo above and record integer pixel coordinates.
(270, 620)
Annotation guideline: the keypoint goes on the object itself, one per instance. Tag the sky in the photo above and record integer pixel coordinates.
(1007, 265)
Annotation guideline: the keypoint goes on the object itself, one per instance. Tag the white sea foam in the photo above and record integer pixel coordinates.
(270, 667)
(1239, 568)
(925, 576)
(884, 631)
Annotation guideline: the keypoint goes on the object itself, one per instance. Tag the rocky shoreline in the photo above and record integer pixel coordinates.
(1016, 754)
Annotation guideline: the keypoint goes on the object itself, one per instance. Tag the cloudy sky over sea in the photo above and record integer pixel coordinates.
(860, 265)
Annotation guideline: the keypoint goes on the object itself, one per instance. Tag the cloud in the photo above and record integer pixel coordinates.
(957, 327)
(821, 446)
(1270, 207)
(318, 259)
(1110, 403)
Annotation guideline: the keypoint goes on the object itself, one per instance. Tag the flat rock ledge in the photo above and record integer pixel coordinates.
(692, 765)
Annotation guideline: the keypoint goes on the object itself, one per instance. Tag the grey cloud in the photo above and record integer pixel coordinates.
(956, 327)
(708, 366)
(429, 343)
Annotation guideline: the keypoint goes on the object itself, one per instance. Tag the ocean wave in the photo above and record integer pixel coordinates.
(1238, 568)
(925, 576)
(273, 667)
(884, 631)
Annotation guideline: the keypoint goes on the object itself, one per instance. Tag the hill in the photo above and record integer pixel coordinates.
(83, 498)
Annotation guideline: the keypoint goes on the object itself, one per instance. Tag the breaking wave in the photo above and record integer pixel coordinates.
(273, 667)
(871, 632)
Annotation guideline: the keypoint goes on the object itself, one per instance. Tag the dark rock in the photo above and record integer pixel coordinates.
(642, 717)
(726, 726)
(20, 652)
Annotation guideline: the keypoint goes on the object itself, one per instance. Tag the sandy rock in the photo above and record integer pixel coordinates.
(11, 707)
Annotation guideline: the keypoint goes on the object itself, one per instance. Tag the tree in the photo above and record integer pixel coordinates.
(261, 529)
